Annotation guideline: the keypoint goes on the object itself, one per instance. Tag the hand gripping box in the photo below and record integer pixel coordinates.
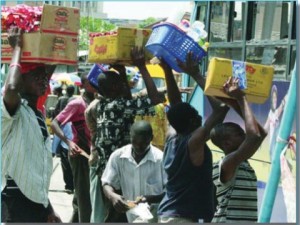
(111, 49)
(50, 45)
(255, 80)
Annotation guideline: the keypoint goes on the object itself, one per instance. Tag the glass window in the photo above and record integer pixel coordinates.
(237, 28)
(270, 55)
(271, 20)
(219, 21)
(228, 53)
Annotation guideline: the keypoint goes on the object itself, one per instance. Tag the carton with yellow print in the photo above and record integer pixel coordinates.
(255, 79)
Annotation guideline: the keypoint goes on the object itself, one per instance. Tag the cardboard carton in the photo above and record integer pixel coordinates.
(255, 79)
(55, 43)
(43, 48)
(60, 20)
(116, 48)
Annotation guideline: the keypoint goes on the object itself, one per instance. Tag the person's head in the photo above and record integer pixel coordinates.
(110, 85)
(35, 78)
(184, 118)
(274, 98)
(227, 136)
(141, 135)
(70, 90)
(85, 84)
(58, 91)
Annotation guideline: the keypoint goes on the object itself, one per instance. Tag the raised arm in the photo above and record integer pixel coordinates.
(13, 84)
(138, 57)
(201, 135)
(254, 133)
(173, 92)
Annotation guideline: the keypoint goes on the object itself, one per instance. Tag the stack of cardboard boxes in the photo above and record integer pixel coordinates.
(55, 43)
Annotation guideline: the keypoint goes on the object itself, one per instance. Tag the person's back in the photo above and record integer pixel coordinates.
(187, 159)
(190, 187)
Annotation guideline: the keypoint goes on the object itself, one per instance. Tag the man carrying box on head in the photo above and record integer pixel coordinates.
(114, 114)
(26, 145)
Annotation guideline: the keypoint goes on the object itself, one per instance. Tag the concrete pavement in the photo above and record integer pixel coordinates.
(60, 200)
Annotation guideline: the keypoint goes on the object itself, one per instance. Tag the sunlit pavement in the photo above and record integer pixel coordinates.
(62, 202)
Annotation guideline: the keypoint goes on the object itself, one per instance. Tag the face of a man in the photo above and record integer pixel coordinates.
(140, 144)
(36, 82)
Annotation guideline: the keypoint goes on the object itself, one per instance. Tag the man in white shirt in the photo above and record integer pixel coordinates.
(137, 170)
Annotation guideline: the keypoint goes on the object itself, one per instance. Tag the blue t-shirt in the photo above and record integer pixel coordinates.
(189, 188)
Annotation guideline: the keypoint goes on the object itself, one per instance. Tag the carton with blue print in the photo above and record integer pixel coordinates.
(255, 79)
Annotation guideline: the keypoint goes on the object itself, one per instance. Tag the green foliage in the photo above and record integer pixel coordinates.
(147, 22)
(87, 25)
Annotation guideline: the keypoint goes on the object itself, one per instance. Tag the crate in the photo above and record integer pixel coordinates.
(170, 43)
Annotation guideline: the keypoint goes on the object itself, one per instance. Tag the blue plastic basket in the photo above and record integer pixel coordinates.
(94, 73)
(170, 43)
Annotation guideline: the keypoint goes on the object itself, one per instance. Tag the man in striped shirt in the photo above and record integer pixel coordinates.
(233, 176)
(26, 145)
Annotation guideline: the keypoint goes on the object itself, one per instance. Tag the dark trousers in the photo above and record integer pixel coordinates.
(16, 208)
(81, 200)
(66, 168)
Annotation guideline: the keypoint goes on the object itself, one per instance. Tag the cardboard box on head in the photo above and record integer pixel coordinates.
(55, 43)
(112, 49)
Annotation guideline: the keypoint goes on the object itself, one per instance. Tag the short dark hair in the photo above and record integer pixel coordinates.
(223, 130)
(106, 79)
(70, 90)
(142, 128)
(180, 114)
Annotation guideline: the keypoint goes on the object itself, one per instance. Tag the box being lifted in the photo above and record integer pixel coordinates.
(255, 80)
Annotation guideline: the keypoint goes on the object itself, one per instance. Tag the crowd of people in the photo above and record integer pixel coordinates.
(179, 184)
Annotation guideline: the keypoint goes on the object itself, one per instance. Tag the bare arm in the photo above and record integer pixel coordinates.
(55, 126)
(254, 133)
(201, 135)
(173, 92)
(138, 57)
(13, 84)
(117, 200)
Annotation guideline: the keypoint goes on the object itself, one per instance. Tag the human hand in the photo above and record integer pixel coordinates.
(15, 35)
(119, 203)
(74, 149)
(231, 88)
(164, 65)
(191, 66)
(138, 56)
